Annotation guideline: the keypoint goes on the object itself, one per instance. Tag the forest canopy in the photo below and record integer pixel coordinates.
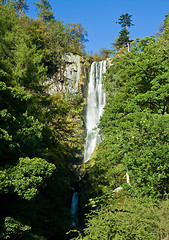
(41, 134)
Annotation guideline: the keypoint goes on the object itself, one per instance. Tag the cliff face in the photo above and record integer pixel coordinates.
(71, 77)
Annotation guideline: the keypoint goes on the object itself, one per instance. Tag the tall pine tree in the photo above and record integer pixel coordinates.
(21, 7)
(123, 39)
(44, 10)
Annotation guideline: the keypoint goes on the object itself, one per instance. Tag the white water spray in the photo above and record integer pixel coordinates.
(96, 100)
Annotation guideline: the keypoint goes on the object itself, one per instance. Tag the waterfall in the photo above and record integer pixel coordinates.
(96, 100)
(74, 208)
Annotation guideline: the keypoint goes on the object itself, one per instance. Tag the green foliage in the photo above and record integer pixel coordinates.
(105, 53)
(78, 36)
(21, 63)
(13, 227)
(20, 133)
(135, 134)
(123, 39)
(102, 55)
(135, 121)
(44, 10)
(20, 6)
(40, 135)
(125, 20)
(26, 176)
(57, 42)
(133, 219)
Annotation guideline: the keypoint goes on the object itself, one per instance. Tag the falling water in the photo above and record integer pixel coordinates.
(74, 208)
(96, 100)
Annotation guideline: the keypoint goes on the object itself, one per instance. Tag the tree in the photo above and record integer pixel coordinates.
(135, 120)
(37, 135)
(135, 133)
(44, 10)
(57, 42)
(130, 219)
(136, 110)
(123, 39)
(21, 7)
(125, 21)
(105, 53)
(2, 2)
(78, 37)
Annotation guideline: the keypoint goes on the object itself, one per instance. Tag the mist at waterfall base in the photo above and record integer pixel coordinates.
(96, 100)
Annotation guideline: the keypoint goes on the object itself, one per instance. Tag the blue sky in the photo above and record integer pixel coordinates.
(99, 17)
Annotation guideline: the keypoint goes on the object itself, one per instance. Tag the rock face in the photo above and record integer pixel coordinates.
(71, 77)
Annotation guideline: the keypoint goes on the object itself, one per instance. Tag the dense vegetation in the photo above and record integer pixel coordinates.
(135, 129)
(39, 133)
